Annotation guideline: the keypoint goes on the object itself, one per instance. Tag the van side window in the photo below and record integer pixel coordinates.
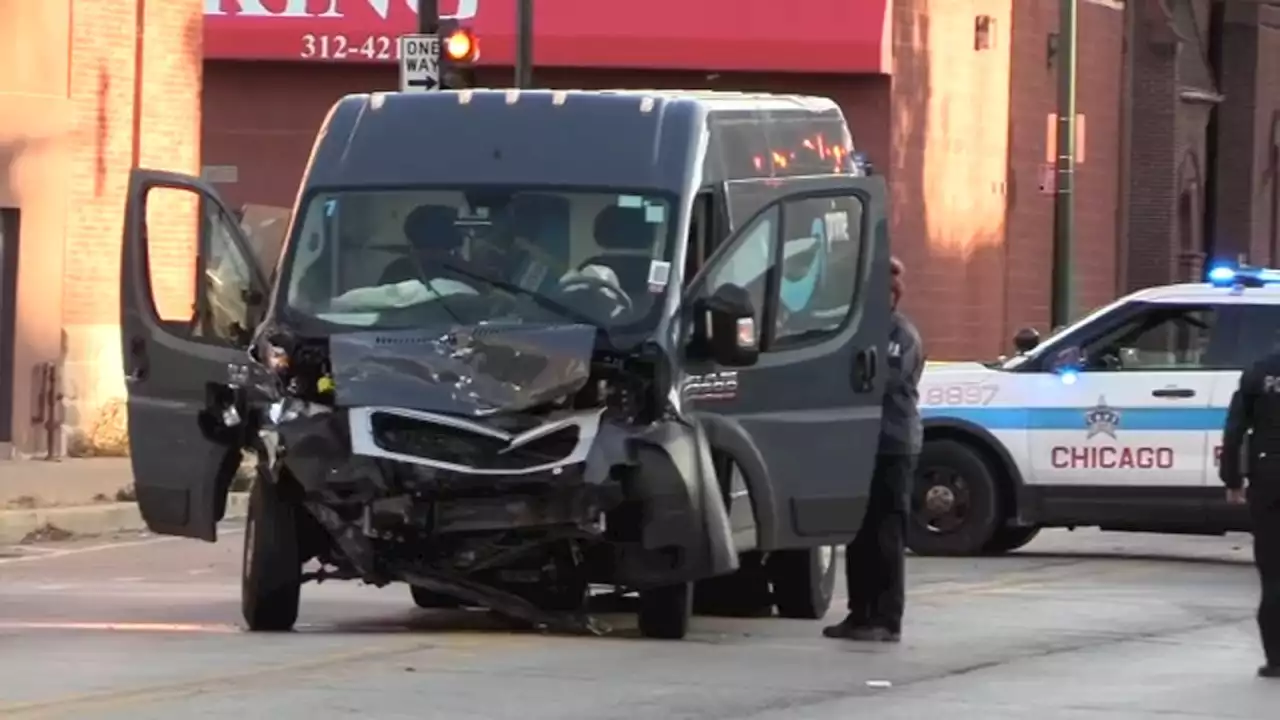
(224, 306)
(822, 253)
(749, 263)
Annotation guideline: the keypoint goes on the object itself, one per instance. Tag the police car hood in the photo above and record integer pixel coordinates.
(477, 370)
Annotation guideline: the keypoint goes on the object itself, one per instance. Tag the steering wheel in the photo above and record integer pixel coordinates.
(577, 283)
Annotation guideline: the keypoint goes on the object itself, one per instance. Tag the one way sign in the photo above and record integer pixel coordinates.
(419, 63)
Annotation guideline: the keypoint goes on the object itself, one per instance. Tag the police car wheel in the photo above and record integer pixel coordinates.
(955, 507)
(271, 580)
(665, 611)
(1008, 539)
(804, 582)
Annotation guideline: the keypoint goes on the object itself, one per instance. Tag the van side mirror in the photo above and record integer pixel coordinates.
(727, 323)
(1026, 340)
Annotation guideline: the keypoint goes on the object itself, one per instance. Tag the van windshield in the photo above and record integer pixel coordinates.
(408, 257)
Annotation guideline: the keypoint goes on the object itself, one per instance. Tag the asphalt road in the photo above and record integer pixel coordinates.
(1079, 626)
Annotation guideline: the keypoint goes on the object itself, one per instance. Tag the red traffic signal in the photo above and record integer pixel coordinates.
(460, 46)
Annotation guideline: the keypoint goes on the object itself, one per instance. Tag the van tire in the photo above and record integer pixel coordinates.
(955, 482)
(804, 582)
(1009, 538)
(743, 593)
(271, 579)
(665, 611)
(432, 600)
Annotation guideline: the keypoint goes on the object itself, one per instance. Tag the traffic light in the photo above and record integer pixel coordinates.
(458, 46)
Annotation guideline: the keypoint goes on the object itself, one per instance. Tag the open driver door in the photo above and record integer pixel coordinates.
(176, 362)
(809, 257)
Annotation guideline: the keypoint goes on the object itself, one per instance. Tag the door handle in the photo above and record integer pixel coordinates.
(141, 363)
(864, 370)
(1173, 393)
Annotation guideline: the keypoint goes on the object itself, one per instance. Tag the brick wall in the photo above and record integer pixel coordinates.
(948, 170)
(135, 89)
(1247, 193)
(970, 145)
(1033, 100)
(1171, 81)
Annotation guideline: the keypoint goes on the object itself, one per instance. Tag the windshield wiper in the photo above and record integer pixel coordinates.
(538, 298)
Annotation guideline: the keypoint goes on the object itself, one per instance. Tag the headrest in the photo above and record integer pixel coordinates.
(433, 226)
(622, 228)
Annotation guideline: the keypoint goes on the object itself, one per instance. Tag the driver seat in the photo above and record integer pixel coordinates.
(432, 229)
(624, 229)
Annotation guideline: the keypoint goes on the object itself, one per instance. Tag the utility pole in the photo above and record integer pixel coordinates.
(1062, 310)
(428, 17)
(524, 43)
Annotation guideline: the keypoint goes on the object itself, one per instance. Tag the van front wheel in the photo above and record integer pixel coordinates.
(271, 579)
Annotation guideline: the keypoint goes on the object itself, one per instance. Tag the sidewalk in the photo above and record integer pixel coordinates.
(39, 483)
(75, 497)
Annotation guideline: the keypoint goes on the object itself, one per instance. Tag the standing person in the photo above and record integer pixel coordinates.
(1251, 446)
(874, 564)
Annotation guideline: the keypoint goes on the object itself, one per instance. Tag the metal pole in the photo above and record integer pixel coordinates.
(428, 17)
(524, 44)
(1061, 308)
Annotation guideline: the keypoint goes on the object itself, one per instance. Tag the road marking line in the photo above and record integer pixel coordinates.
(94, 703)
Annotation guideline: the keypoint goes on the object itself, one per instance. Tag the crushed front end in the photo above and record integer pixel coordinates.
(509, 467)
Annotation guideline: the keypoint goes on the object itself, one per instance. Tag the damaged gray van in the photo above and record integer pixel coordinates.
(520, 345)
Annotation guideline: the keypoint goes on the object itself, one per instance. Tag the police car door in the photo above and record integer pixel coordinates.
(803, 422)
(1134, 421)
(1256, 330)
(175, 355)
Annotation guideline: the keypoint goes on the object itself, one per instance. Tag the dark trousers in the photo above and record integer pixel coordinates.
(1264, 507)
(874, 563)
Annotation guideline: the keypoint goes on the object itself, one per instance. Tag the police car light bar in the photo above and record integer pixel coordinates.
(1243, 276)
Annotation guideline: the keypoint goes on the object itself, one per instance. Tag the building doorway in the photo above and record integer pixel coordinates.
(10, 227)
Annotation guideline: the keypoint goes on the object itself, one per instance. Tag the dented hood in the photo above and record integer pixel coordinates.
(475, 371)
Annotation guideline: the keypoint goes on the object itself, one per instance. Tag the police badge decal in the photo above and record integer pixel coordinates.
(1102, 419)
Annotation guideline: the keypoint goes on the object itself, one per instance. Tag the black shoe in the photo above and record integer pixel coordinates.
(848, 630)
(875, 634)
(844, 630)
(1269, 671)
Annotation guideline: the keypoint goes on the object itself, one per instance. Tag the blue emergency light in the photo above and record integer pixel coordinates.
(1243, 276)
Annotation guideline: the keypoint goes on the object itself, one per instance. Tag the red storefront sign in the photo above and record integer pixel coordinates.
(813, 36)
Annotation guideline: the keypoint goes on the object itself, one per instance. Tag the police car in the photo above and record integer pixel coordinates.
(1113, 422)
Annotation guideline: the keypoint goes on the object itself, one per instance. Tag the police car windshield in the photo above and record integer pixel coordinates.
(405, 257)
(1046, 344)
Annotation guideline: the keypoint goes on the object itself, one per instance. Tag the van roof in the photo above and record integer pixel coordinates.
(708, 99)
(629, 140)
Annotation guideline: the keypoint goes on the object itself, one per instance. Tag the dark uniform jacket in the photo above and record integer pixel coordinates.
(901, 432)
(1251, 438)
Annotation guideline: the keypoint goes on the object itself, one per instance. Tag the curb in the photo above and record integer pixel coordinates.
(15, 525)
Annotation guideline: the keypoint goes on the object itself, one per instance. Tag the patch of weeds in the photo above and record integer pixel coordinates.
(24, 502)
(126, 494)
(107, 436)
(102, 498)
(46, 533)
